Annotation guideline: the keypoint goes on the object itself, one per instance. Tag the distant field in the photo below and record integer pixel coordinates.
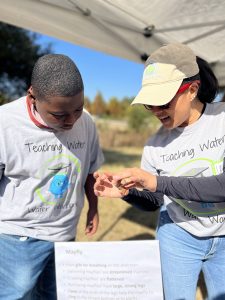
(118, 220)
(117, 134)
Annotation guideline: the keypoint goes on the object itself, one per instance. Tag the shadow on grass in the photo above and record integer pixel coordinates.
(144, 218)
(118, 157)
(147, 219)
(143, 236)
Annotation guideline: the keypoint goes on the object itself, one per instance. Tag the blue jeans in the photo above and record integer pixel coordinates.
(27, 269)
(184, 255)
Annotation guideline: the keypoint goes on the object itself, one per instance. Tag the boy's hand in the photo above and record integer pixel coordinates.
(92, 222)
(104, 186)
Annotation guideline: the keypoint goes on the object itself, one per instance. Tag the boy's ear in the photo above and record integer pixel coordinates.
(30, 95)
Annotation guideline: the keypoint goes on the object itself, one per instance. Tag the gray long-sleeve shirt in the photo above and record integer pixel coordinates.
(193, 189)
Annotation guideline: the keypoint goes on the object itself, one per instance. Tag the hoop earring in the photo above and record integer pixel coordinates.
(193, 97)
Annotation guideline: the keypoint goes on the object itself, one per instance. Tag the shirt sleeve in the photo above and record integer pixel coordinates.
(193, 189)
(96, 155)
(144, 200)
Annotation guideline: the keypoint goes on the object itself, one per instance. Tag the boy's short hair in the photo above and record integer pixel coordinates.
(56, 75)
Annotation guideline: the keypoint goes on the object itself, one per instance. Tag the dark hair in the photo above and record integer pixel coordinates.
(56, 75)
(208, 82)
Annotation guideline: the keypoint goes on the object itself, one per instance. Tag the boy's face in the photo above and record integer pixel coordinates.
(59, 113)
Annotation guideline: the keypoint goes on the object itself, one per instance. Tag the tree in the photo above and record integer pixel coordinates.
(18, 53)
(98, 105)
(3, 99)
(114, 108)
(87, 104)
(137, 117)
(125, 105)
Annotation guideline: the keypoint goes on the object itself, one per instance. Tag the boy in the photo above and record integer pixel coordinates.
(49, 151)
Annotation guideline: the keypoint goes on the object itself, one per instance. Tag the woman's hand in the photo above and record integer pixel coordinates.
(135, 178)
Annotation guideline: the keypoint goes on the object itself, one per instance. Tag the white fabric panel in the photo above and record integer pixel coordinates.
(116, 26)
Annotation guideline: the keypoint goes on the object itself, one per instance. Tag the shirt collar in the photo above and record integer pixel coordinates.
(35, 116)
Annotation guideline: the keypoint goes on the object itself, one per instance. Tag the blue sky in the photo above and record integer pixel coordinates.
(110, 75)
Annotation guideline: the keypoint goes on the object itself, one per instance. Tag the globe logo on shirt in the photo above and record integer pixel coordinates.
(59, 185)
(59, 175)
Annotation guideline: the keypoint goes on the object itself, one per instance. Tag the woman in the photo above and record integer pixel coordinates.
(178, 90)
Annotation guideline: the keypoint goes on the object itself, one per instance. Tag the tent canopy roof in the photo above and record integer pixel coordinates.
(129, 29)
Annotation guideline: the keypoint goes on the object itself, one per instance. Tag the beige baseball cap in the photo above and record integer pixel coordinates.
(165, 69)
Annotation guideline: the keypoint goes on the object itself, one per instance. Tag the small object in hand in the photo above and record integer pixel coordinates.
(120, 186)
(125, 181)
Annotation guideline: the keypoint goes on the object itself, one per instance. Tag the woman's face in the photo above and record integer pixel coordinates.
(183, 110)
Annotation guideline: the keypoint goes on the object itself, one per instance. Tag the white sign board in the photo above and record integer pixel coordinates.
(124, 270)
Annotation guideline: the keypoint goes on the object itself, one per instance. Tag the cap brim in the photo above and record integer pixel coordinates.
(157, 94)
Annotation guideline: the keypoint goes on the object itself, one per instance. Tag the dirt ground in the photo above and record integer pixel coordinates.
(120, 221)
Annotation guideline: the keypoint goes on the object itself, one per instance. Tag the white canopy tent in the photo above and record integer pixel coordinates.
(131, 29)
